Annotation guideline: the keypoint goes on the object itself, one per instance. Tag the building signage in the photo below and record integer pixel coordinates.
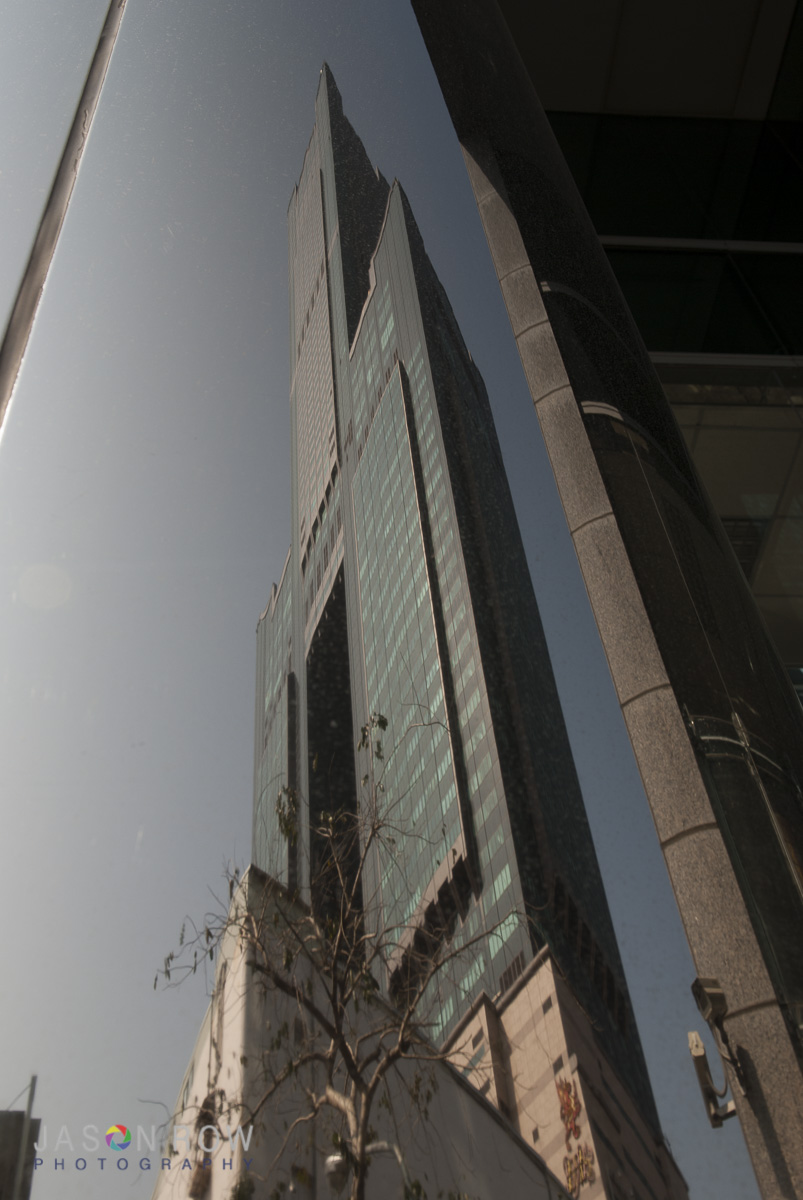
(579, 1166)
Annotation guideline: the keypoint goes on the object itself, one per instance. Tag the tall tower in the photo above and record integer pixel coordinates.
(406, 592)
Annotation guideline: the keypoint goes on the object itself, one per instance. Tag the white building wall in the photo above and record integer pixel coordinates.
(533, 1052)
(452, 1139)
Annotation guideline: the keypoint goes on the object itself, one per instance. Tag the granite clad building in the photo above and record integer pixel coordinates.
(684, 136)
(406, 593)
(714, 723)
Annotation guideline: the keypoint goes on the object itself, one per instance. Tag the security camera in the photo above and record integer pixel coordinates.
(337, 1172)
(716, 1112)
(710, 999)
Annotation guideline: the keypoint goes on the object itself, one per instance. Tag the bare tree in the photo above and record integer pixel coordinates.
(362, 995)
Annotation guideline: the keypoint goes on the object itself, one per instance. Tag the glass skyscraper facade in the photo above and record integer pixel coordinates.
(406, 593)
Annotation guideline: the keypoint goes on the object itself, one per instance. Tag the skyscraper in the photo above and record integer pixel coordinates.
(406, 593)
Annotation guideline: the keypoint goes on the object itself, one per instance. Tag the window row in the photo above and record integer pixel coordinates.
(581, 941)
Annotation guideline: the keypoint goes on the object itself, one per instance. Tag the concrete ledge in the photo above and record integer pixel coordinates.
(713, 908)
(503, 235)
(541, 360)
(582, 491)
(523, 300)
(667, 764)
(635, 663)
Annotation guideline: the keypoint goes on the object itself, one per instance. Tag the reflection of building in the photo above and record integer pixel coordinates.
(715, 726)
(406, 593)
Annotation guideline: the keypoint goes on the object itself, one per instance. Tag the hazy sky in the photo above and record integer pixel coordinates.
(144, 513)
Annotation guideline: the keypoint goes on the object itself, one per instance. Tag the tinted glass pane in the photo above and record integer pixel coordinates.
(738, 324)
(676, 177)
(772, 205)
(642, 176)
(776, 280)
(692, 302)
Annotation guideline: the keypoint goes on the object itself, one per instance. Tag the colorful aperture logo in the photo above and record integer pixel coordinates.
(118, 1137)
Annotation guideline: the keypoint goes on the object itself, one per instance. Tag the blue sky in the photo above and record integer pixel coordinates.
(144, 513)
